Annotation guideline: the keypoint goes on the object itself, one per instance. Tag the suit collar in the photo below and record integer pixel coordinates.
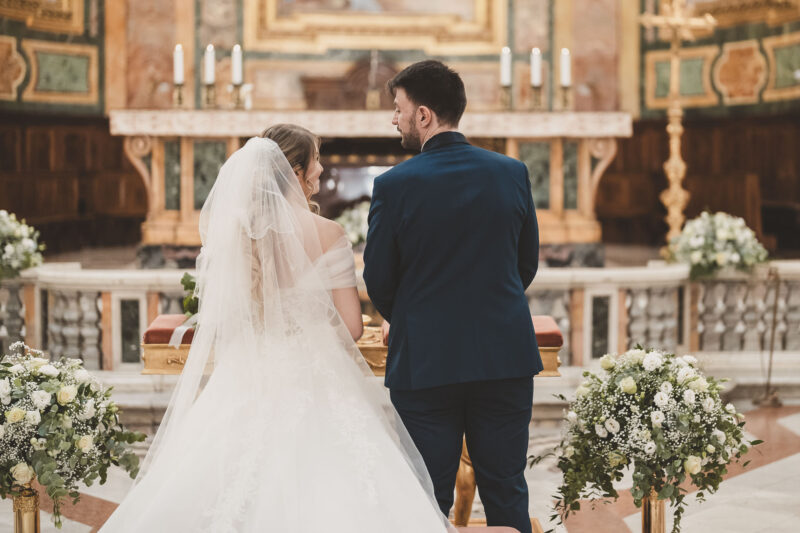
(443, 139)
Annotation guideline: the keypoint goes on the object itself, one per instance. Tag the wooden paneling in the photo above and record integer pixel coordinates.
(719, 155)
(68, 178)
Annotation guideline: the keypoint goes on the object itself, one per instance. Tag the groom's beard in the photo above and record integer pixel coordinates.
(410, 139)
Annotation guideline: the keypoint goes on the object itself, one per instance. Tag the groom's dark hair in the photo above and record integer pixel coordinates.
(435, 85)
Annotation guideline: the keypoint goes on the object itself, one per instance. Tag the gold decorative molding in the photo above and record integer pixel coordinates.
(12, 68)
(741, 72)
(33, 94)
(64, 16)
(267, 29)
(772, 93)
(709, 98)
(734, 12)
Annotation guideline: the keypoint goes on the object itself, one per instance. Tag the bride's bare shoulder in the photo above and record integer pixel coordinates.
(329, 231)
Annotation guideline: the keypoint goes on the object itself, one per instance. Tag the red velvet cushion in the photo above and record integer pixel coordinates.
(547, 332)
(160, 331)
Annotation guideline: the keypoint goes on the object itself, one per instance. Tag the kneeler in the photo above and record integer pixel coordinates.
(161, 358)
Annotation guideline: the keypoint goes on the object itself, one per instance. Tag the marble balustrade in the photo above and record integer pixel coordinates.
(99, 315)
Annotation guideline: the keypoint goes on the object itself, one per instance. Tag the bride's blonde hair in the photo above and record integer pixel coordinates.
(299, 146)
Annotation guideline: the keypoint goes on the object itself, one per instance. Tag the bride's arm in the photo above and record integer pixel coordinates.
(349, 307)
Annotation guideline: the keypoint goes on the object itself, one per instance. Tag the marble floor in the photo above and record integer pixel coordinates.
(764, 497)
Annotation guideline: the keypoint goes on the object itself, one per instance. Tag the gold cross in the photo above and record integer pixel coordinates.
(677, 23)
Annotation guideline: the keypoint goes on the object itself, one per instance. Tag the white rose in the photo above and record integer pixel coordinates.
(699, 385)
(685, 374)
(9, 249)
(690, 359)
(680, 363)
(5, 400)
(17, 369)
(710, 448)
(33, 418)
(657, 418)
(628, 385)
(66, 394)
(15, 415)
(696, 241)
(22, 473)
(666, 387)
(652, 361)
(38, 444)
(719, 436)
(88, 411)
(41, 399)
(650, 448)
(735, 258)
(49, 370)
(569, 451)
(5, 387)
(637, 356)
(740, 416)
(607, 362)
(601, 431)
(708, 404)
(730, 408)
(82, 375)
(696, 257)
(85, 443)
(661, 399)
(583, 390)
(721, 258)
(572, 417)
(612, 425)
(37, 362)
(688, 396)
(692, 465)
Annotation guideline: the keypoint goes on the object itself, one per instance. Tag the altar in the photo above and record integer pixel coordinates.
(162, 358)
(177, 153)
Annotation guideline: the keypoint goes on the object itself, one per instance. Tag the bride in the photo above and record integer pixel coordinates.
(276, 423)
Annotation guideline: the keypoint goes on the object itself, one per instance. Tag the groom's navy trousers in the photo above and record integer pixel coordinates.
(452, 245)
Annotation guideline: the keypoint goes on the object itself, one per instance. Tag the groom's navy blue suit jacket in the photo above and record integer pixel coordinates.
(453, 243)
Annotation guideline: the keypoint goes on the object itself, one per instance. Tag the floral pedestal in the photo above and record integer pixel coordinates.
(653, 514)
(26, 510)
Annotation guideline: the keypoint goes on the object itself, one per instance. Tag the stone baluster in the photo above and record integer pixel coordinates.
(713, 309)
(636, 302)
(14, 319)
(89, 329)
(792, 316)
(70, 329)
(749, 319)
(734, 304)
(55, 338)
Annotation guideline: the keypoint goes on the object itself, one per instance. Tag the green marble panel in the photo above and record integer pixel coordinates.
(600, 311)
(208, 158)
(536, 157)
(570, 175)
(62, 73)
(691, 77)
(172, 175)
(131, 336)
(787, 63)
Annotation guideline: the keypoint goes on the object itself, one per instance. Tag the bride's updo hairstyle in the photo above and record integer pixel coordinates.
(299, 146)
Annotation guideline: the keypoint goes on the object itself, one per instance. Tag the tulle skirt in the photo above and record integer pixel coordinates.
(290, 442)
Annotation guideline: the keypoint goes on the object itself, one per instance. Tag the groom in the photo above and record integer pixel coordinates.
(452, 245)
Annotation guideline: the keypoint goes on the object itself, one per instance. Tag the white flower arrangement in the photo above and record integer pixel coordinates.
(709, 243)
(57, 423)
(354, 222)
(654, 413)
(19, 246)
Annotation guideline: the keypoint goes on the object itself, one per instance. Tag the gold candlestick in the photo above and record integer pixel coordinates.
(26, 510)
(566, 97)
(505, 98)
(536, 98)
(177, 95)
(209, 96)
(238, 101)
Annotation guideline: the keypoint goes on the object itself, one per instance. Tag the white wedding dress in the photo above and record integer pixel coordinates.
(276, 424)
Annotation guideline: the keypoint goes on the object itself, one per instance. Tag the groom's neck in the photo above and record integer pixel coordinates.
(436, 131)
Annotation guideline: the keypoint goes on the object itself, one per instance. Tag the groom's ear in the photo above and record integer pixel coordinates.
(425, 116)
